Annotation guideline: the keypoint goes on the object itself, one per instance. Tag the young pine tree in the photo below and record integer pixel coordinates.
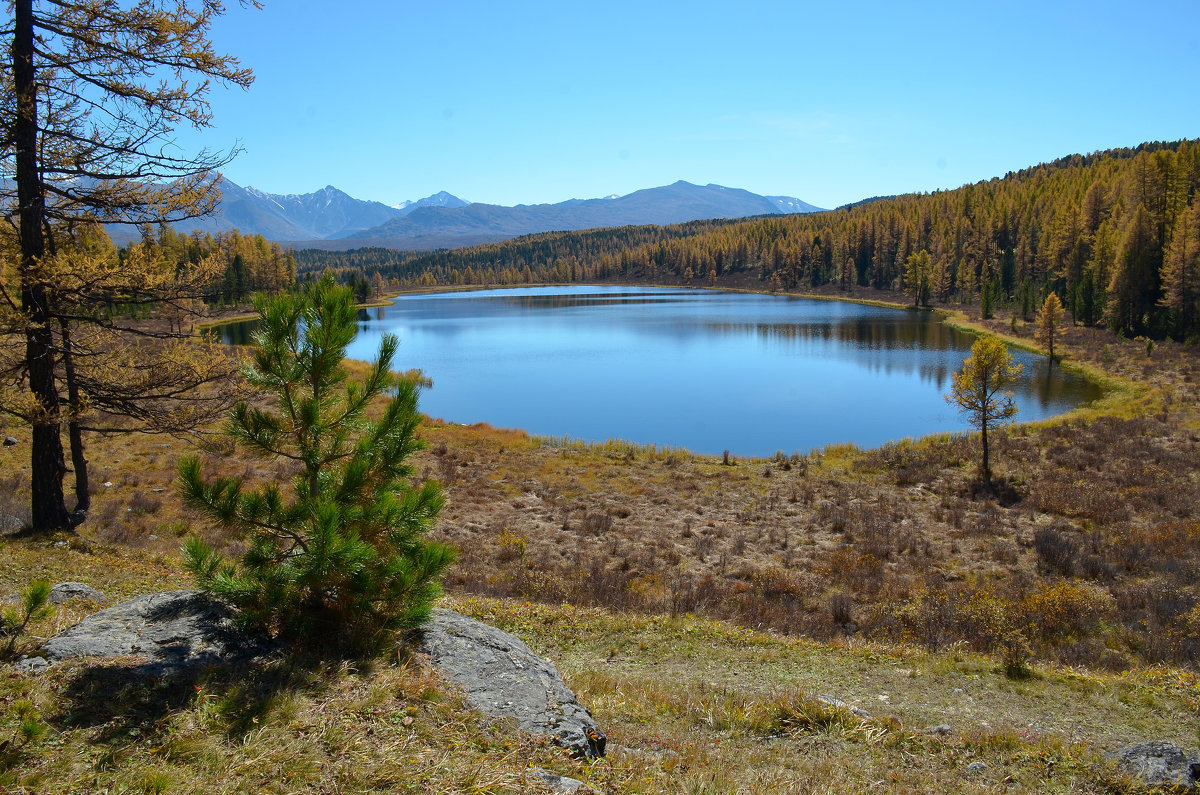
(341, 556)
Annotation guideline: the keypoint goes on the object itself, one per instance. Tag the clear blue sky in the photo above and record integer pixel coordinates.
(527, 102)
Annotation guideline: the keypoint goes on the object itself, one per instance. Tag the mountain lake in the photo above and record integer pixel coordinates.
(703, 370)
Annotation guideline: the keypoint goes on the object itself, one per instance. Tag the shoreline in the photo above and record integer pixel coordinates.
(1119, 396)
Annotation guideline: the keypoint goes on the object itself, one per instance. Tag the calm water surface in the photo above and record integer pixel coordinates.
(704, 370)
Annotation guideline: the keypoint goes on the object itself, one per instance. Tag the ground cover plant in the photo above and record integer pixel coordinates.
(702, 607)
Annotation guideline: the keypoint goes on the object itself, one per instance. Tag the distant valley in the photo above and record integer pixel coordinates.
(332, 219)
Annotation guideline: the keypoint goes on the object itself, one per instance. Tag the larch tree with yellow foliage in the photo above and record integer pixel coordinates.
(981, 391)
(1049, 318)
(87, 116)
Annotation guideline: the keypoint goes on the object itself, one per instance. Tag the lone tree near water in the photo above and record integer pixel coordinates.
(980, 390)
(918, 276)
(344, 553)
(1049, 318)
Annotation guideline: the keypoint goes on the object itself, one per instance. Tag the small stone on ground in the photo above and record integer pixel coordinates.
(66, 591)
(561, 783)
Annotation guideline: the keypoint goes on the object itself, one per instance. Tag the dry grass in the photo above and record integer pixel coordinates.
(689, 704)
(270, 729)
(847, 542)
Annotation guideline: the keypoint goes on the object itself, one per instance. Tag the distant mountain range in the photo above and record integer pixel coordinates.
(332, 219)
(323, 214)
(439, 199)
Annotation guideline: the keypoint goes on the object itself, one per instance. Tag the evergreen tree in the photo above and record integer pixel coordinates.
(986, 300)
(918, 274)
(343, 555)
(1134, 284)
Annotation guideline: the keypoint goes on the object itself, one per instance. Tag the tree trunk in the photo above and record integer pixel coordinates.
(47, 467)
(83, 498)
(987, 470)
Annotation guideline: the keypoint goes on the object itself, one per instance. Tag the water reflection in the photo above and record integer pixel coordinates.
(692, 368)
(236, 333)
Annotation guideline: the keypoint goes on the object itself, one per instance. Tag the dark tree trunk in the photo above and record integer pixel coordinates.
(47, 467)
(83, 499)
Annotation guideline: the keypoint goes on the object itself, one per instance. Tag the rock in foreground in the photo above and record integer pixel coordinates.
(502, 677)
(179, 630)
(1159, 764)
(171, 630)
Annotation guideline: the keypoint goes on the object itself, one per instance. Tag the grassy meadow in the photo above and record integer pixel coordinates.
(700, 607)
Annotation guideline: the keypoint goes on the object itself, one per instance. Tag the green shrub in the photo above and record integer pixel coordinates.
(341, 557)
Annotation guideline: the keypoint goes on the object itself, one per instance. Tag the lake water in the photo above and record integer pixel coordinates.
(699, 369)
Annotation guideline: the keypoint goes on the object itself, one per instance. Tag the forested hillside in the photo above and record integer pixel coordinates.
(1116, 234)
(251, 262)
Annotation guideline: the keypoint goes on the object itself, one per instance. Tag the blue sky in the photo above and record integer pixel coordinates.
(527, 102)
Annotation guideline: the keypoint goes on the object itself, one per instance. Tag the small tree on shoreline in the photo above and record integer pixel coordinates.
(918, 277)
(344, 555)
(979, 390)
(1049, 318)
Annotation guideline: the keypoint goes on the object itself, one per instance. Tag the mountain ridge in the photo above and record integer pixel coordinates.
(479, 222)
(319, 215)
(330, 218)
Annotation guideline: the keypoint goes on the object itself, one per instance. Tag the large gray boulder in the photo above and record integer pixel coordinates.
(169, 631)
(502, 677)
(178, 630)
(1159, 764)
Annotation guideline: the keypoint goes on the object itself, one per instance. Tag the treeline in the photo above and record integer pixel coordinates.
(546, 257)
(1116, 234)
(371, 259)
(251, 262)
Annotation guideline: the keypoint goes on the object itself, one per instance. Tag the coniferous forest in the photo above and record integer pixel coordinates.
(1115, 234)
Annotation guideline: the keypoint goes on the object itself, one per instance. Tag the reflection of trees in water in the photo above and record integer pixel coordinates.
(886, 342)
(916, 345)
(236, 333)
(457, 308)
(1051, 385)
(871, 333)
(372, 315)
(928, 349)
(590, 299)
